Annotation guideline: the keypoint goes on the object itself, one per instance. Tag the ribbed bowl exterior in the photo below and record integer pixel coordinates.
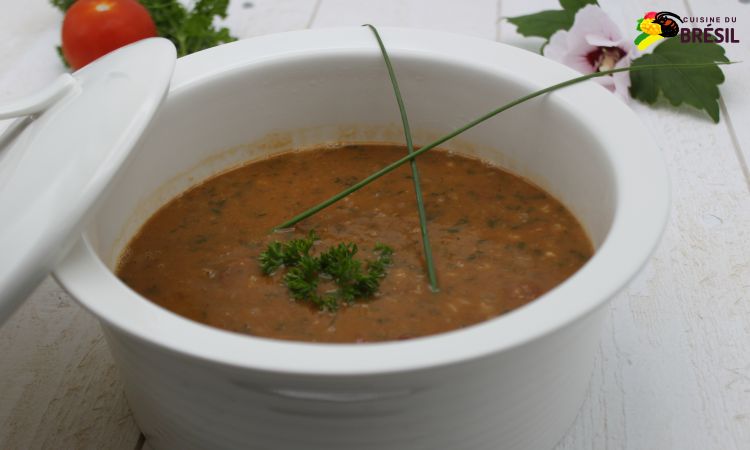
(523, 398)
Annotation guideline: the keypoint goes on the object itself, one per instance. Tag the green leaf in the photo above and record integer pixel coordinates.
(190, 30)
(62, 5)
(168, 15)
(543, 24)
(695, 87)
(546, 23)
(575, 5)
(62, 56)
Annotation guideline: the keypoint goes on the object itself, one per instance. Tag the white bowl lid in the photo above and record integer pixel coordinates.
(57, 162)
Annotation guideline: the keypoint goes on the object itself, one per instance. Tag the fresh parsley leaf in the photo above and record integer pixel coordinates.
(272, 258)
(59, 51)
(695, 87)
(546, 23)
(302, 279)
(288, 254)
(168, 15)
(62, 5)
(190, 30)
(354, 280)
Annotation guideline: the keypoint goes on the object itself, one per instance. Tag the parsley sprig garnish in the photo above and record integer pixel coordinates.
(354, 279)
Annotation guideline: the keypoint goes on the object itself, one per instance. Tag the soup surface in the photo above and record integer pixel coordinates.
(498, 243)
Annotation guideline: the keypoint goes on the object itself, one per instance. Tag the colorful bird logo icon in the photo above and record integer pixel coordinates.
(656, 26)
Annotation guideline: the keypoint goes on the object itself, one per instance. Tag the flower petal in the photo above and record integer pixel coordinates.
(622, 79)
(591, 19)
(592, 30)
(600, 41)
(557, 47)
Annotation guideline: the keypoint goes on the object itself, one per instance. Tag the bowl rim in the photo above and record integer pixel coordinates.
(642, 196)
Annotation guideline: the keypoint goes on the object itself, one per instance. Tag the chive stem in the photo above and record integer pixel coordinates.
(427, 248)
(394, 165)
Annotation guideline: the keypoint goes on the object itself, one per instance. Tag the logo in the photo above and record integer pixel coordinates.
(656, 26)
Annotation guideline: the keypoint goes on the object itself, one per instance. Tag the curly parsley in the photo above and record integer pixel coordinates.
(190, 30)
(62, 5)
(354, 279)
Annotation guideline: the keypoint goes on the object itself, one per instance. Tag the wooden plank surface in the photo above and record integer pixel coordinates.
(472, 17)
(673, 371)
(58, 385)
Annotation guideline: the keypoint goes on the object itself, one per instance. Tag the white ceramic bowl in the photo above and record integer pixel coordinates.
(514, 382)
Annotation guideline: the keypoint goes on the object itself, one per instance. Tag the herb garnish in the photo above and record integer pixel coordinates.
(354, 280)
(426, 247)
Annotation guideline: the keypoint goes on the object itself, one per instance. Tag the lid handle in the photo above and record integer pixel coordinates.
(39, 101)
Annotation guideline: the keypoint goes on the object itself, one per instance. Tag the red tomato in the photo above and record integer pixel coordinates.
(93, 28)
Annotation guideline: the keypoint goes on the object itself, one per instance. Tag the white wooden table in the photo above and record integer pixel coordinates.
(673, 369)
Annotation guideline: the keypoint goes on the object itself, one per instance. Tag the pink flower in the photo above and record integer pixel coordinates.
(594, 43)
